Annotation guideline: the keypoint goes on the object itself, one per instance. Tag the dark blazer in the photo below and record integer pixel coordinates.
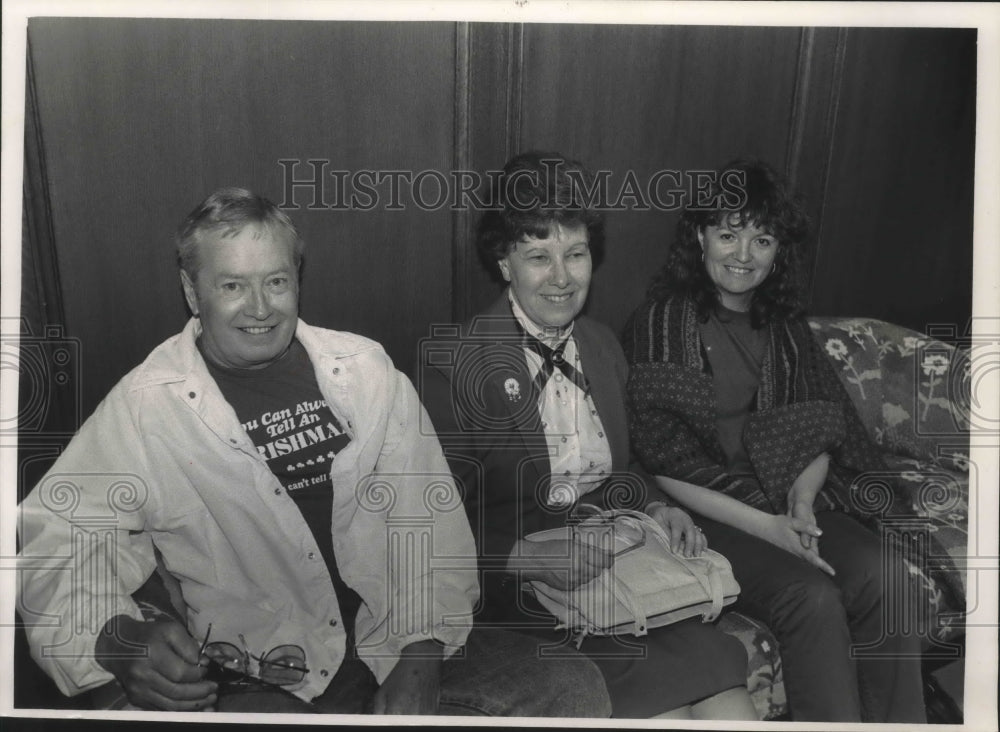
(475, 383)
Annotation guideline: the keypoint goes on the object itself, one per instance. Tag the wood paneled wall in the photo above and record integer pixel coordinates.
(896, 228)
(875, 126)
(639, 99)
(139, 119)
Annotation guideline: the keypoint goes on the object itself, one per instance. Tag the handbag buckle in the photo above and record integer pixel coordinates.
(605, 523)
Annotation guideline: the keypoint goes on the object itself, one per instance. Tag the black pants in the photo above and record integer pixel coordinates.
(828, 628)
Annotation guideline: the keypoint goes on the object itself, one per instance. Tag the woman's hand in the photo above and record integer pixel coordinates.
(684, 536)
(803, 491)
(804, 511)
(801, 497)
(560, 563)
(787, 532)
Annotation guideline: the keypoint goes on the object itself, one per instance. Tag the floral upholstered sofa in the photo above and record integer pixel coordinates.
(913, 394)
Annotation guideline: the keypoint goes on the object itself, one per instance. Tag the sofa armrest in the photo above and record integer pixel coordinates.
(911, 391)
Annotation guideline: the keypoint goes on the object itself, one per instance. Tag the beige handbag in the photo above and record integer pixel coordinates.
(647, 586)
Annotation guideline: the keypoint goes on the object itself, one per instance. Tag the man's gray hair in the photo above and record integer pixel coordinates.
(227, 212)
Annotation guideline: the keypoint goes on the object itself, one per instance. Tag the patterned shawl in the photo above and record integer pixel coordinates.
(800, 410)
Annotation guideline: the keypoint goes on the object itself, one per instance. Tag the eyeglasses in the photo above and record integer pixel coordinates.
(623, 531)
(283, 665)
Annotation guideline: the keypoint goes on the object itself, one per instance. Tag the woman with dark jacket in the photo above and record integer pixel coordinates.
(528, 401)
(739, 415)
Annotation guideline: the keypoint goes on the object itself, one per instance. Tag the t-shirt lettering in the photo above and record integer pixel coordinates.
(283, 412)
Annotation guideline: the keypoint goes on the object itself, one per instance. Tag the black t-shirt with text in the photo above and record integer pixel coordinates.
(283, 411)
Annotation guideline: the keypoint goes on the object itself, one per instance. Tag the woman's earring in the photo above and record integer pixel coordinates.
(702, 255)
(774, 266)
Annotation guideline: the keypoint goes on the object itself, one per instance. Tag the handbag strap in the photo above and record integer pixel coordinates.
(628, 599)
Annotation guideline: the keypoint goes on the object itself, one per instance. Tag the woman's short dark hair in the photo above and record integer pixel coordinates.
(535, 191)
(228, 211)
(744, 192)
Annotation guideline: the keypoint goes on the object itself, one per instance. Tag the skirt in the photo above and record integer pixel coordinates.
(673, 666)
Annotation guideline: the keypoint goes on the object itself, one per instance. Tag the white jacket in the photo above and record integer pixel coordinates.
(164, 461)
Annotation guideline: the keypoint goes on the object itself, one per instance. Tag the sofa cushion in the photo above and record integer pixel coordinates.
(764, 676)
(913, 395)
(936, 501)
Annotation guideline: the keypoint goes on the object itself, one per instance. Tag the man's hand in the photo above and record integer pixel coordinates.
(560, 563)
(412, 686)
(156, 663)
(680, 529)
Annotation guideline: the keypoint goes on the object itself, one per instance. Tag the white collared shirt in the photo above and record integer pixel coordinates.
(579, 451)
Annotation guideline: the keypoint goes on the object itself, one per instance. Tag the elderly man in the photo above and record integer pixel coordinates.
(278, 471)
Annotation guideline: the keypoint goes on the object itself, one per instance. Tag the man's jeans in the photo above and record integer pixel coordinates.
(497, 673)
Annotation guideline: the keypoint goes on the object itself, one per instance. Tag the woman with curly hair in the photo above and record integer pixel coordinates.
(744, 423)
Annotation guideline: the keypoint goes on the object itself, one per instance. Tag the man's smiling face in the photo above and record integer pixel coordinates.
(246, 294)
